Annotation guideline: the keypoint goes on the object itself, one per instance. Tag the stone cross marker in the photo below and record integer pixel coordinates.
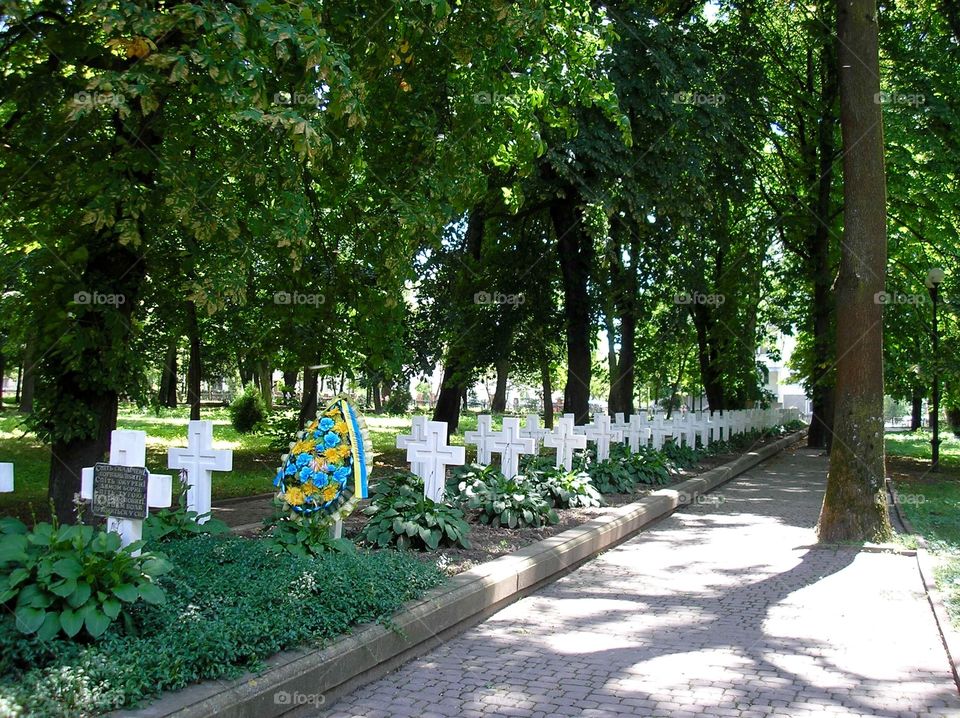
(509, 444)
(6, 478)
(432, 455)
(418, 432)
(601, 434)
(482, 438)
(636, 433)
(199, 460)
(533, 430)
(127, 449)
(565, 441)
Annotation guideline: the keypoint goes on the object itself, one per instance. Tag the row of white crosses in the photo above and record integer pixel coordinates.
(128, 448)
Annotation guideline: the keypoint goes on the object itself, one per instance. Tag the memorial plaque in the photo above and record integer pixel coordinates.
(120, 491)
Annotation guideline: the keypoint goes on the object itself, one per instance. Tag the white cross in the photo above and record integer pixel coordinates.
(510, 444)
(129, 448)
(482, 438)
(601, 434)
(200, 460)
(6, 478)
(533, 430)
(433, 456)
(418, 430)
(565, 441)
(637, 432)
(619, 421)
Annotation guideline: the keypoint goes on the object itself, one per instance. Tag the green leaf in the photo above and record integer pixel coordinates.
(31, 595)
(432, 539)
(13, 549)
(151, 593)
(126, 592)
(29, 618)
(63, 588)
(71, 622)
(96, 621)
(111, 607)
(81, 595)
(50, 627)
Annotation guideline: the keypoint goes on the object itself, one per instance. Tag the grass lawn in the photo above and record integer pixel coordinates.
(254, 462)
(932, 503)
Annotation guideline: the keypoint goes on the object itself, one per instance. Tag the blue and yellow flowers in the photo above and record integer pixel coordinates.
(315, 476)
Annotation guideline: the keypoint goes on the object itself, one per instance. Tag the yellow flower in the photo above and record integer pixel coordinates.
(294, 496)
(340, 426)
(330, 491)
(304, 446)
(343, 451)
(332, 455)
(332, 411)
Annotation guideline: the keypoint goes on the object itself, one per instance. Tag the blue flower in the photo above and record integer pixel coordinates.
(341, 474)
(331, 440)
(326, 423)
(317, 434)
(291, 469)
(305, 473)
(304, 459)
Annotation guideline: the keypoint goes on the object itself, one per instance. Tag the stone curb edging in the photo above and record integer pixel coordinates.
(948, 634)
(301, 681)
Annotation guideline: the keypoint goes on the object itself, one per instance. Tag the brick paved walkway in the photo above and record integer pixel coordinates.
(724, 609)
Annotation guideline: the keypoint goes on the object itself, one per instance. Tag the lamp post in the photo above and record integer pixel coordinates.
(934, 278)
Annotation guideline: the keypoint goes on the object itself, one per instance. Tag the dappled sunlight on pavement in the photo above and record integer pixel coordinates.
(725, 609)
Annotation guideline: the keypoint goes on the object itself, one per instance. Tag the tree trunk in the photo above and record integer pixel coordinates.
(916, 408)
(377, 399)
(290, 384)
(265, 374)
(547, 384)
(499, 403)
(195, 370)
(3, 370)
(29, 378)
(450, 396)
(575, 250)
(308, 403)
(168, 377)
(854, 507)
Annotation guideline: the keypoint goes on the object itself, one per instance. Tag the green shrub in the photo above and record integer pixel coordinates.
(231, 602)
(565, 489)
(398, 402)
(649, 467)
(179, 523)
(681, 455)
(514, 503)
(282, 427)
(72, 578)
(248, 412)
(612, 476)
(405, 518)
(304, 536)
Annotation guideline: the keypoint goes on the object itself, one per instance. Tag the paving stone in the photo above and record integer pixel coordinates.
(723, 609)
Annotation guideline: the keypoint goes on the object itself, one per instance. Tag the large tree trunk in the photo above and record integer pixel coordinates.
(499, 403)
(854, 507)
(265, 374)
(575, 249)
(377, 398)
(3, 369)
(308, 403)
(168, 377)
(547, 385)
(916, 408)
(28, 384)
(457, 366)
(195, 370)
(290, 383)
(622, 374)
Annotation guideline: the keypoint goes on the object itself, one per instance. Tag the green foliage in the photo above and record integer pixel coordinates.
(72, 578)
(248, 412)
(305, 536)
(179, 522)
(624, 470)
(282, 427)
(398, 402)
(565, 489)
(405, 518)
(231, 602)
(612, 476)
(681, 455)
(514, 503)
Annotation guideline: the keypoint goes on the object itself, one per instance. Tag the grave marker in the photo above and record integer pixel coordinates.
(433, 455)
(199, 460)
(533, 430)
(6, 478)
(482, 439)
(601, 433)
(510, 444)
(418, 429)
(111, 489)
(564, 440)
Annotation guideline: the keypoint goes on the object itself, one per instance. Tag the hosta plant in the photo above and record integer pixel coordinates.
(405, 518)
(565, 489)
(513, 503)
(73, 578)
